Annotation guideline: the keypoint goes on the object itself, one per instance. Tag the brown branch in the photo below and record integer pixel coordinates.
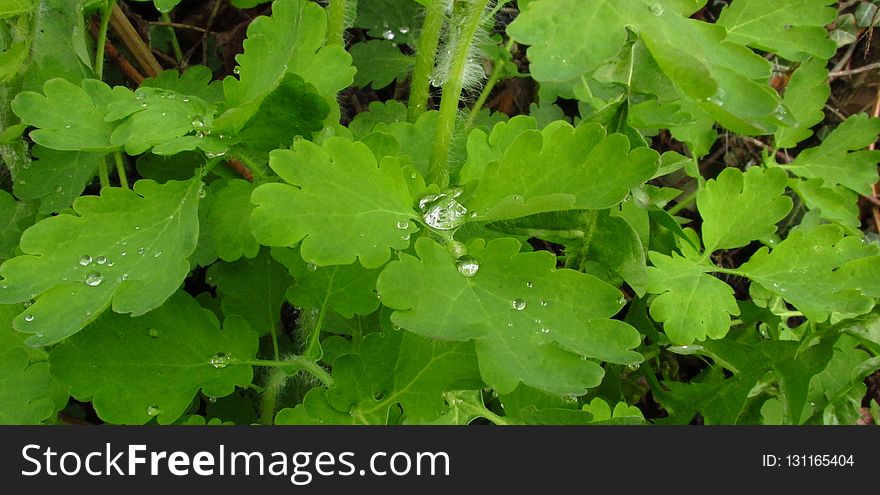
(857, 70)
(176, 25)
(241, 169)
(132, 40)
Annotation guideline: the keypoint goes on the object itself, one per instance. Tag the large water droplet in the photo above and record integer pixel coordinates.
(388, 34)
(236, 70)
(311, 267)
(85, 260)
(220, 360)
(153, 410)
(468, 267)
(153, 333)
(519, 304)
(656, 8)
(141, 250)
(403, 29)
(94, 279)
(157, 253)
(101, 260)
(28, 318)
(403, 224)
(198, 123)
(442, 212)
(545, 330)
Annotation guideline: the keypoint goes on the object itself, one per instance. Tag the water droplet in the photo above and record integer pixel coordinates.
(442, 212)
(220, 360)
(137, 227)
(28, 318)
(529, 285)
(544, 304)
(212, 400)
(27, 304)
(164, 114)
(157, 253)
(153, 333)
(632, 367)
(468, 267)
(519, 304)
(198, 123)
(141, 250)
(101, 260)
(85, 260)
(545, 330)
(153, 410)
(403, 29)
(405, 237)
(236, 70)
(124, 277)
(388, 34)
(123, 253)
(403, 224)
(656, 8)
(311, 267)
(621, 301)
(67, 126)
(186, 99)
(94, 279)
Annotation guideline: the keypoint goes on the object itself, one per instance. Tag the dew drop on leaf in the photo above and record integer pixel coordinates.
(220, 360)
(388, 34)
(442, 212)
(85, 260)
(519, 304)
(141, 250)
(94, 279)
(311, 267)
(153, 333)
(198, 123)
(153, 410)
(157, 254)
(468, 267)
(28, 318)
(656, 8)
(101, 260)
(403, 224)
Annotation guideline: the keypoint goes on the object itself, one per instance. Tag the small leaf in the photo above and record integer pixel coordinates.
(380, 63)
(805, 95)
(56, 178)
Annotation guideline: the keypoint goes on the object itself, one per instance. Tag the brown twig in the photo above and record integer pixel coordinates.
(757, 142)
(241, 169)
(850, 72)
(176, 25)
(132, 40)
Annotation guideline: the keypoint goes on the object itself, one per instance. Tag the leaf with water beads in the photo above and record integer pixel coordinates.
(820, 271)
(223, 222)
(338, 201)
(137, 369)
(531, 322)
(143, 236)
(56, 178)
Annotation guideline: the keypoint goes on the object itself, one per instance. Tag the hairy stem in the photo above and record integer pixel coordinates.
(439, 173)
(269, 399)
(175, 44)
(426, 51)
(490, 85)
(336, 12)
(102, 38)
(294, 364)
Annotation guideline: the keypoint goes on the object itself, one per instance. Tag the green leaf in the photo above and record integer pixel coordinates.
(252, 289)
(590, 171)
(347, 289)
(393, 368)
(380, 62)
(738, 207)
(393, 20)
(290, 41)
(135, 369)
(532, 323)
(691, 304)
(28, 394)
(195, 81)
(56, 45)
(338, 201)
(70, 117)
(15, 217)
(128, 247)
(835, 203)
(56, 178)
(163, 5)
(835, 160)
(11, 8)
(223, 222)
(820, 272)
(805, 95)
(793, 29)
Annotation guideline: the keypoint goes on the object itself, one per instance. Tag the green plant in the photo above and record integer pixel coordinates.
(437, 266)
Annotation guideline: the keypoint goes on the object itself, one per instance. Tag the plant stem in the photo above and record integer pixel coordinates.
(336, 12)
(102, 38)
(269, 399)
(103, 175)
(175, 44)
(426, 51)
(490, 85)
(294, 363)
(683, 203)
(120, 169)
(439, 174)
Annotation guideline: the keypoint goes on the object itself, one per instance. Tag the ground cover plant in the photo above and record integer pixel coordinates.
(439, 212)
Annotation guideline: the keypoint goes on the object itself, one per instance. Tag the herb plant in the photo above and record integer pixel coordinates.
(258, 248)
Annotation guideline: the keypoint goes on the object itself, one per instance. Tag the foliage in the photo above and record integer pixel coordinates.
(263, 252)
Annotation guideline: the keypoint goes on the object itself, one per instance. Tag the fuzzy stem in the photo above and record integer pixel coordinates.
(426, 51)
(439, 174)
(292, 364)
(490, 85)
(120, 169)
(175, 44)
(102, 39)
(269, 399)
(336, 12)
